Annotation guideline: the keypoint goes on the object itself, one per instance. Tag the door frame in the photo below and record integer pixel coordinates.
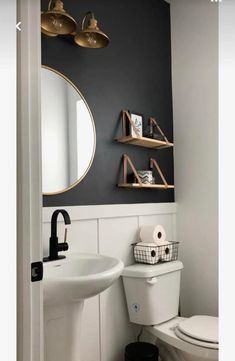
(29, 188)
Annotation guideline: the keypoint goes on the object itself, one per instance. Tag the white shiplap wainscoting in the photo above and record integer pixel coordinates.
(108, 230)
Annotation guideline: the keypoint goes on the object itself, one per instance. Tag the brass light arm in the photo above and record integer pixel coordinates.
(85, 17)
(59, 6)
(92, 23)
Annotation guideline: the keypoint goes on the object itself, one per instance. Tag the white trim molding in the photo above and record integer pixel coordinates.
(29, 190)
(112, 210)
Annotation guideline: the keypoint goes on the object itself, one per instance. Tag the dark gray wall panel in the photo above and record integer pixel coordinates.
(133, 72)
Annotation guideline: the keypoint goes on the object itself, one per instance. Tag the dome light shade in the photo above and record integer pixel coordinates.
(91, 36)
(56, 21)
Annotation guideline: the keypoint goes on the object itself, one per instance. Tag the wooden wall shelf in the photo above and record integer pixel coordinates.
(153, 164)
(152, 186)
(139, 140)
(145, 142)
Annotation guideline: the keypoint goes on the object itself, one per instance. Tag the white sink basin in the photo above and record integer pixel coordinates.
(66, 284)
(77, 277)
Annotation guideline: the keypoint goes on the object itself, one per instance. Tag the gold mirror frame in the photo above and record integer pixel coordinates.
(94, 132)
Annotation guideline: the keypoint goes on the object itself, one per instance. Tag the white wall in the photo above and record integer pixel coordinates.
(227, 172)
(11, 321)
(108, 230)
(194, 31)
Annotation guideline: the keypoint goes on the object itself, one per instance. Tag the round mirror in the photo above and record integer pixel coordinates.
(68, 133)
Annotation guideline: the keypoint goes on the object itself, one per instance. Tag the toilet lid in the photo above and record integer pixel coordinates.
(203, 328)
(194, 341)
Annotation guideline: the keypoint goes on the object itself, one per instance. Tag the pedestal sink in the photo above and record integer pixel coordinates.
(66, 284)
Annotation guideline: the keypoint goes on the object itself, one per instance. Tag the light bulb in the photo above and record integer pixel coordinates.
(91, 38)
(57, 21)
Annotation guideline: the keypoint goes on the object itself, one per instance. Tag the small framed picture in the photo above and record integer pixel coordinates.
(137, 120)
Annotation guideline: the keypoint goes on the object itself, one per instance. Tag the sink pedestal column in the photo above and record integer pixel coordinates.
(62, 332)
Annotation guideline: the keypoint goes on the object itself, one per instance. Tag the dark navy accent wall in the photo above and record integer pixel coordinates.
(133, 72)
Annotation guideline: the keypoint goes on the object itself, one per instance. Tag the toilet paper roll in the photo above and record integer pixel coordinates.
(147, 253)
(155, 234)
(167, 252)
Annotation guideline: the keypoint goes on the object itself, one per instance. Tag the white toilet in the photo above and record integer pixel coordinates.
(152, 293)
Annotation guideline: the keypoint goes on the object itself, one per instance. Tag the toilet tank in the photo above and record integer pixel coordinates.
(152, 291)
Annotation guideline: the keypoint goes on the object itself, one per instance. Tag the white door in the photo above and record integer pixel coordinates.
(29, 192)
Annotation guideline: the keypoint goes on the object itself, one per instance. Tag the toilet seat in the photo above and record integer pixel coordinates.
(202, 328)
(199, 330)
(195, 341)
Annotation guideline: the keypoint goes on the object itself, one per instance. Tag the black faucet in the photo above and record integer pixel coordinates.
(54, 246)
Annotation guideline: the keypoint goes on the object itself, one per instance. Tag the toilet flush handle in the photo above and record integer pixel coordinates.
(152, 281)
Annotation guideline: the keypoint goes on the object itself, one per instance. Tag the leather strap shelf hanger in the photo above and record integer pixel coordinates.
(154, 122)
(153, 165)
(139, 140)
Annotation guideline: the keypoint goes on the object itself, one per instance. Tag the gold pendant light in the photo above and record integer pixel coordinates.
(48, 33)
(56, 21)
(91, 36)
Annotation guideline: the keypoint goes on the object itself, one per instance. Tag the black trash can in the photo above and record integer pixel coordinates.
(141, 351)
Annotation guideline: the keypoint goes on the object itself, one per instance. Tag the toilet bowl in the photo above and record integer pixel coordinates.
(152, 294)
